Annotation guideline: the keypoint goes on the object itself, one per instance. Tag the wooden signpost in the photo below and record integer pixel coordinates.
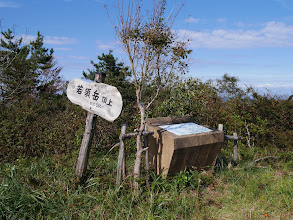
(98, 99)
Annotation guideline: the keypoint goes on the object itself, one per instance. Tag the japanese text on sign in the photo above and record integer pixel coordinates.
(95, 96)
(98, 98)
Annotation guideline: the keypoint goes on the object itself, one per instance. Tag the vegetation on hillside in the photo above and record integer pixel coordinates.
(41, 132)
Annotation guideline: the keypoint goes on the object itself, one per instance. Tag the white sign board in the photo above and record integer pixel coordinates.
(185, 128)
(98, 98)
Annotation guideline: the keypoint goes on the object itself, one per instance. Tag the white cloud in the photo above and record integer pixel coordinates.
(192, 20)
(27, 38)
(62, 49)
(239, 24)
(52, 40)
(282, 2)
(9, 4)
(271, 85)
(221, 63)
(78, 58)
(104, 46)
(272, 34)
(59, 40)
(222, 20)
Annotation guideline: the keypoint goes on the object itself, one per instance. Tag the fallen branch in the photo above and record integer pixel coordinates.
(130, 135)
(116, 145)
(250, 165)
(253, 162)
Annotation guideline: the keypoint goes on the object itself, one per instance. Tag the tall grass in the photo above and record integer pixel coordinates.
(48, 188)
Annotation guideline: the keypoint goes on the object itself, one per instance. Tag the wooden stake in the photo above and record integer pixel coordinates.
(86, 144)
(87, 136)
(121, 158)
(235, 150)
(218, 160)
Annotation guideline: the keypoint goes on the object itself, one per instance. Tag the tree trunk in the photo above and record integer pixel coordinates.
(139, 147)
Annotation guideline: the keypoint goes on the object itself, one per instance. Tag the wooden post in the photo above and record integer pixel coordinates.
(146, 143)
(218, 160)
(235, 149)
(87, 136)
(121, 158)
(121, 166)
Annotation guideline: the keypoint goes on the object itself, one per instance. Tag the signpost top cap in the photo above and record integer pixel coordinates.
(100, 77)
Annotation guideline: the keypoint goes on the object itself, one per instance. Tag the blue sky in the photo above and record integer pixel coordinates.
(249, 39)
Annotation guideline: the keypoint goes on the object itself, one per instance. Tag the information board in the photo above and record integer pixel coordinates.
(185, 128)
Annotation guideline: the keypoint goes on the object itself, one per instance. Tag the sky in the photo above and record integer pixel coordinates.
(249, 39)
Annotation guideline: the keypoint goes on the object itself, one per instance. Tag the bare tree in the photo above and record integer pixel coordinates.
(154, 52)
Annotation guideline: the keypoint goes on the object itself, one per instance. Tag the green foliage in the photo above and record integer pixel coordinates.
(44, 122)
(24, 67)
(108, 64)
(191, 97)
(264, 121)
(228, 86)
(46, 127)
(41, 132)
(43, 126)
(191, 179)
(261, 120)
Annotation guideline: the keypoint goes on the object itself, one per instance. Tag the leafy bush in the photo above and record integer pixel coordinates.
(264, 121)
(37, 127)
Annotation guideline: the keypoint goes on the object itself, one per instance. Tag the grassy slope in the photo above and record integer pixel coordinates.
(47, 187)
